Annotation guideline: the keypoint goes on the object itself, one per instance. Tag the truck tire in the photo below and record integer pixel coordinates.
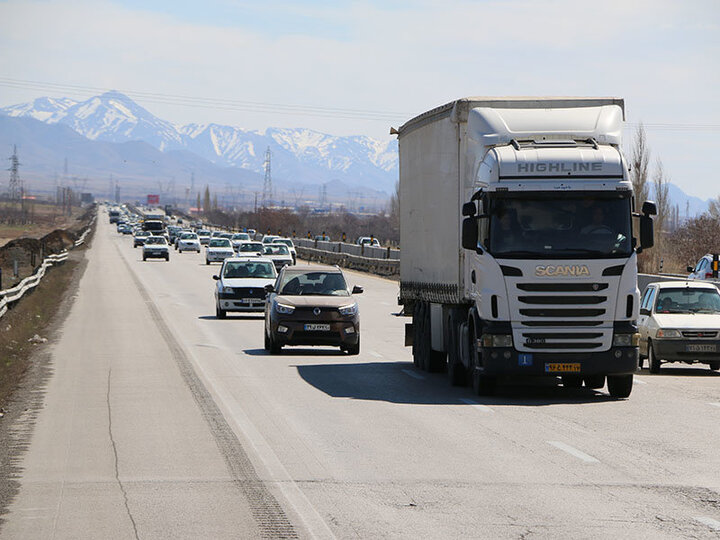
(620, 386)
(483, 385)
(594, 382)
(653, 361)
(572, 381)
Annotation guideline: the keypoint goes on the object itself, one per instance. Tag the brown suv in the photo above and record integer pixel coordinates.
(312, 305)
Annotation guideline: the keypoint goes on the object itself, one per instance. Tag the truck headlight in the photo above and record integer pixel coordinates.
(667, 333)
(351, 309)
(497, 340)
(626, 340)
(283, 308)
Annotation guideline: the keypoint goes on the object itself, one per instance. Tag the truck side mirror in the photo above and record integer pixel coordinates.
(649, 208)
(470, 233)
(647, 236)
(469, 209)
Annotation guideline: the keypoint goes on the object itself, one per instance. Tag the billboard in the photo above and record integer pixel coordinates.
(153, 199)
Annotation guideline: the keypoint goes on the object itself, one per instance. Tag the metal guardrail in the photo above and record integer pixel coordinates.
(371, 252)
(383, 267)
(12, 295)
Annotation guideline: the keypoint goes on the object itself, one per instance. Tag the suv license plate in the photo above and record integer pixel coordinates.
(317, 327)
(248, 300)
(557, 367)
(700, 348)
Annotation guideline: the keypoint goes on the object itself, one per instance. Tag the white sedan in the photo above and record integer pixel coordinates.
(680, 322)
(241, 284)
(188, 242)
(218, 249)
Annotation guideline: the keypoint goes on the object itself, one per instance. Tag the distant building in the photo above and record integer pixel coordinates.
(87, 198)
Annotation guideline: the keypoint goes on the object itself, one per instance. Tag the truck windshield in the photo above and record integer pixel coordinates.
(558, 225)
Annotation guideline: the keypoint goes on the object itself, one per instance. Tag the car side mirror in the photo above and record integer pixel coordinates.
(269, 288)
(690, 269)
(644, 311)
(357, 290)
(216, 278)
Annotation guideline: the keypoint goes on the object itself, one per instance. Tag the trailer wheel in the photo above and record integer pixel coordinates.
(620, 386)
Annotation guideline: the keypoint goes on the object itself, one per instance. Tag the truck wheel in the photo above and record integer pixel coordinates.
(594, 382)
(483, 385)
(620, 386)
(572, 381)
(714, 366)
(653, 361)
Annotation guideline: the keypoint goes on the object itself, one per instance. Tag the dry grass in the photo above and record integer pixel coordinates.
(45, 218)
(33, 314)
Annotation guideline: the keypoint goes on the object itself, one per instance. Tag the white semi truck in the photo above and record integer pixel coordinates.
(519, 242)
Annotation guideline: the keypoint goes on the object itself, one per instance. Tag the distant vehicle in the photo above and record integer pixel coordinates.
(124, 228)
(291, 246)
(218, 249)
(279, 254)
(156, 247)
(241, 284)
(139, 238)
(114, 215)
(322, 238)
(368, 241)
(239, 237)
(188, 242)
(252, 233)
(173, 232)
(680, 322)
(246, 248)
(312, 305)
(269, 238)
(216, 234)
(204, 236)
(704, 268)
(153, 225)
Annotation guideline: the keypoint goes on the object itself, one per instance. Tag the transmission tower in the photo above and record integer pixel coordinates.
(15, 182)
(323, 196)
(267, 184)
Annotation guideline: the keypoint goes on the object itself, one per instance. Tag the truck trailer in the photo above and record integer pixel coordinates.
(519, 242)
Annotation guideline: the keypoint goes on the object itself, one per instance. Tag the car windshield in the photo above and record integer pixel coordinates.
(251, 247)
(313, 284)
(286, 241)
(220, 242)
(241, 236)
(203, 233)
(560, 225)
(248, 269)
(155, 240)
(687, 300)
(276, 249)
(189, 236)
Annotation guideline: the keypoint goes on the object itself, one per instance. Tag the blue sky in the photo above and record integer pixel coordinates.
(392, 59)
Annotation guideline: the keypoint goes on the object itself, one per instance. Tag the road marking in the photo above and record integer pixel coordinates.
(412, 374)
(712, 523)
(478, 406)
(573, 451)
(714, 404)
(376, 354)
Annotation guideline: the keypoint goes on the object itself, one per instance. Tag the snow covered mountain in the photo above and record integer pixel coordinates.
(297, 154)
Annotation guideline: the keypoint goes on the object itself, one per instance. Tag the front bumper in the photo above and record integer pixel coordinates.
(217, 257)
(508, 361)
(341, 333)
(676, 350)
(156, 254)
(188, 247)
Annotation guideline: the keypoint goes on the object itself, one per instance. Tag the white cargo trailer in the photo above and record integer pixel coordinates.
(517, 247)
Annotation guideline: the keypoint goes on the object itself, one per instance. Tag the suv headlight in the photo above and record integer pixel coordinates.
(225, 290)
(351, 309)
(283, 308)
(497, 340)
(626, 340)
(667, 333)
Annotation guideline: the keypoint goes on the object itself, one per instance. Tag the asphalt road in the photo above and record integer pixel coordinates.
(164, 422)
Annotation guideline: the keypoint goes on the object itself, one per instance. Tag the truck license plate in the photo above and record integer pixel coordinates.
(317, 327)
(562, 367)
(700, 348)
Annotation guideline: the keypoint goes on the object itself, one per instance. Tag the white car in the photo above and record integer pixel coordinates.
(204, 236)
(250, 248)
(368, 241)
(218, 249)
(239, 237)
(291, 246)
(156, 247)
(269, 238)
(703, 269)
(279, 254)
(241, 284)
(188, 242)
(680, 322)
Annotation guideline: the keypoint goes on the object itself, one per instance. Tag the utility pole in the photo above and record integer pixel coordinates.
(267, 184)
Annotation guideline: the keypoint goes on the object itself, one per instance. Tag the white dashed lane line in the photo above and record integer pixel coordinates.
(712, 523)
(573, 451)
(412, 374)
(638, 381)
(715, 404)
(476, 405)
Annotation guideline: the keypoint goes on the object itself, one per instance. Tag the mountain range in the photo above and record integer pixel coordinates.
(112, 134)
(297, 155)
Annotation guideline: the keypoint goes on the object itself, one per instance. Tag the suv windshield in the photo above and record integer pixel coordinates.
(260, 269)
(559, 225)
(687, 300)
(313, 283)
(155, 240)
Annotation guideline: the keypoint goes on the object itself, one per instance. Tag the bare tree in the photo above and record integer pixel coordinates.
(663, 218)
(714, 208)
(640, 160)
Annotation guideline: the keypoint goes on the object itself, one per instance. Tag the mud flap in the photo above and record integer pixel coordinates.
(409, 334)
